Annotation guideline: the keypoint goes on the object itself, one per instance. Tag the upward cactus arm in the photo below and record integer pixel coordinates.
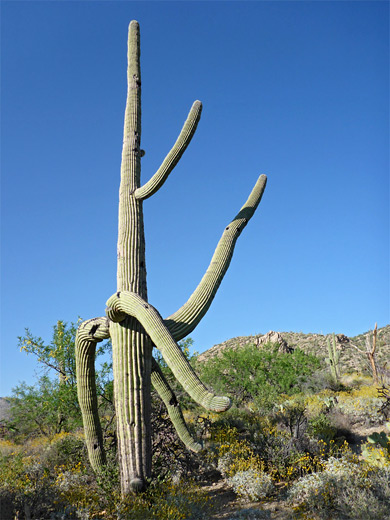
(133, 305)
(166, 393)
(173, 157)
(89, 333)
(184, 321)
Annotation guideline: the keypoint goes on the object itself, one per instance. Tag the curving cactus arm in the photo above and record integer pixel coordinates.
(184, 320)
(88, 334)
(173, 157)
(163, 389)
(127, 303)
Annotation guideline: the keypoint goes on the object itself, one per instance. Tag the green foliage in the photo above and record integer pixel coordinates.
(51, 405)
(260, 375)
(46, 408)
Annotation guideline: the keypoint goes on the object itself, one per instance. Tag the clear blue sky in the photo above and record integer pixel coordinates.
(296, 90)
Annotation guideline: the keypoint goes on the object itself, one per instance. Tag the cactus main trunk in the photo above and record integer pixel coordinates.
(132, 350)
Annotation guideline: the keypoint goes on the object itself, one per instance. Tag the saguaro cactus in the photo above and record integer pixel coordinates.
(133, 324)
(334, 358)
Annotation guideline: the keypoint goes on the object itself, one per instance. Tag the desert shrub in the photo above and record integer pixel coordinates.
(361, 404)
(320, 381)
(321, 402)
(344, 489)
(251, 484)
(52, 479)
(321, 427)
(25, 485)
(291, 414)
(65, 447)
(166, 500)
(46, 478)
(241, 466)
(45, 408)
(237, 455)
(170, 458)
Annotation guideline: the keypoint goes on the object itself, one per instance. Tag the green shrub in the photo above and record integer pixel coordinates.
(258, 374)
(320, 427)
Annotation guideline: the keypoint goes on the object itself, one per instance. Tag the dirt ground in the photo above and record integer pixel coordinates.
(226, 503)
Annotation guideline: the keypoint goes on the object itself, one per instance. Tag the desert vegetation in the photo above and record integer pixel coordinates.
(296, 443)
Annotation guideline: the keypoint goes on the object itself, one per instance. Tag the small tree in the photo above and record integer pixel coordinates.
(51, 406)
(133, 324)
(250, 373)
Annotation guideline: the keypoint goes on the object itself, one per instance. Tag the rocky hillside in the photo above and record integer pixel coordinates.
(352, 350)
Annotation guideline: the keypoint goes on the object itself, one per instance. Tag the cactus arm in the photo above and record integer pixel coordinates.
(184, 320)
(132, 304)
(166, 393)
(88, 334)
(173, 157)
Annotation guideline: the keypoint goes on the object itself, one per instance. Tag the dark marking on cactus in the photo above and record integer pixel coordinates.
(173, 401)
(94, 329)
(118, 294)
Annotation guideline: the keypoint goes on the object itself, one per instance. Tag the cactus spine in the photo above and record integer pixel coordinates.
(133, 324)
(334, 357)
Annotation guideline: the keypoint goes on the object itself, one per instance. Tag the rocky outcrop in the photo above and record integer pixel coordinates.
(237, 343)
(273, 338)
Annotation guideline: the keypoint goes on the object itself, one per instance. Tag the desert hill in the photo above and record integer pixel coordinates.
(352, 349)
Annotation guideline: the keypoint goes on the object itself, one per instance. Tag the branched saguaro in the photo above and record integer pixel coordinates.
(132, 323)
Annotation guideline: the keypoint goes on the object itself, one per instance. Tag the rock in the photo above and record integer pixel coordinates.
(274, 337)
(341, 338)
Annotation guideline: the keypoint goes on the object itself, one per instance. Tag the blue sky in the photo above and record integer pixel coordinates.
(295, 90)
